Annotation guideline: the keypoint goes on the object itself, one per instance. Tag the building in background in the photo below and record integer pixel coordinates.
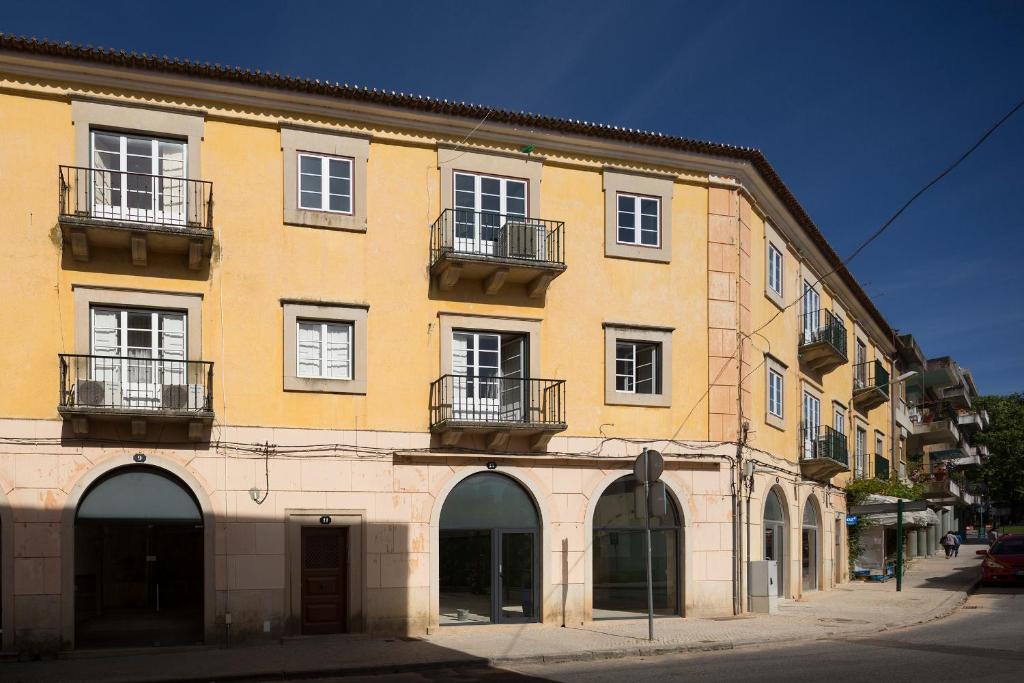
(288, 357)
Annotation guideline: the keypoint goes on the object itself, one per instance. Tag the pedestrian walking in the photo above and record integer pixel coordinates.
(956, 546)
(948, 544)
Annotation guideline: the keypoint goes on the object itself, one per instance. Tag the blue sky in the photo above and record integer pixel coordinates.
(855, 104)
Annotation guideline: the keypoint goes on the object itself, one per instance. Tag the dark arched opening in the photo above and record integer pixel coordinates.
(138, 561)
(619, 566)
(775, 537)
(489, 552)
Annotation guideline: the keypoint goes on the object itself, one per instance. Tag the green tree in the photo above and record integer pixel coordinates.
(1003, 471)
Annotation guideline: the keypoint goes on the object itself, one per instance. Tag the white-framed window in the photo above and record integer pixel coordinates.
(775, 277)
(324, 349)
(860, 466)
(812, 420)
(483, 204)
(146, 349)
(839, 421)
(775, 392)
(138, 177)
(325, 183)
(638, 220)
(637, 367)
(860, 365)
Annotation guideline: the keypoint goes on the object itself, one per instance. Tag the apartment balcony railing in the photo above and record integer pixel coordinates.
(499, 407)
(822, 340)
(496, 249)
(870, 384)
(95, 387)
(881, 467)
(136, 211)
(823, 453)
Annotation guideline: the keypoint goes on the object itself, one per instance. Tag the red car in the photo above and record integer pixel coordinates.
(1004, 561)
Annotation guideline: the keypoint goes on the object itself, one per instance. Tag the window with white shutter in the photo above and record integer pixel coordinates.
(323, 349)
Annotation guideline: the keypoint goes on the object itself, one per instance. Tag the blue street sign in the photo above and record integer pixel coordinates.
(851, 520)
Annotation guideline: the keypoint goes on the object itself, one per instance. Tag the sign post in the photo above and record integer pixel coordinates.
(899, 545)
(647, 469)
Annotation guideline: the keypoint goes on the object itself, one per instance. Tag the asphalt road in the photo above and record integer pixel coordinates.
(984, 640)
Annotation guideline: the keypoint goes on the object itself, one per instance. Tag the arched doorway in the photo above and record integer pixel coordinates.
(489, 552)
(619, 565)
(810, 550)
(775, 537)
(138, 576)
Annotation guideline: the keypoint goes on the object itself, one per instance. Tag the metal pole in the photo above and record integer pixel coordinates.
(899, 545)
(647, 536)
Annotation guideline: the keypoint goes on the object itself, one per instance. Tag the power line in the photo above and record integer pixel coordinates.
(875, 235)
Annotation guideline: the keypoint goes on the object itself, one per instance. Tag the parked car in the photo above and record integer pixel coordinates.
(1004, 561)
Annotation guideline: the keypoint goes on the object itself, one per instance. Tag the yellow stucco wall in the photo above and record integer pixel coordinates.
(781, 338)
(258, 260)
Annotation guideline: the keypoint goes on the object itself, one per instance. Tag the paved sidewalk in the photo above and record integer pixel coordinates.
(932, 588)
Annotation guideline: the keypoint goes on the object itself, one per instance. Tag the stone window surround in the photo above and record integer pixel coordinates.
(489, 162)
(772, 237)
(355, 522)
(773, 363)
(657, 186)
(613, 332)
(330, 143)
(357, 314)
(529, 327)
(88, 115)
(87, 296)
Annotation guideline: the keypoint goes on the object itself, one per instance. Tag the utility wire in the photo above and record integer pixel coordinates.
(875, 235)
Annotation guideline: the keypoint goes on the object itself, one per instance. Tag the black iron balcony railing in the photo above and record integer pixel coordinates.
(498, 401)
(119, 196)
(482, 234)
(881, 467)
(871, 374)
(823, 326)
(128, 383)
(823, 442)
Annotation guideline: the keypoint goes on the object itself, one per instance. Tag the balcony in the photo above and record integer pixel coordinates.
(823, 454)
(139, 390)
(496, 250)
(135, 212)
(972, 421)
(497, 408)
(881, 467)
(933, 431)
(943, 492)
(870, 385)
(822, 341)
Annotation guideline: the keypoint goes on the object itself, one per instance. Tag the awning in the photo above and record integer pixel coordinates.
(910, 519)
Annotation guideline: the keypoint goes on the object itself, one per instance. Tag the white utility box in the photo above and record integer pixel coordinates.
(764, 586)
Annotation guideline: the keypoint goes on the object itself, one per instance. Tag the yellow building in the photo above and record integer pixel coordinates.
(283, 356)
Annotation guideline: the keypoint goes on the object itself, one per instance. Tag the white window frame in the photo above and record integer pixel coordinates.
(839, 420)
(157, 190)
(776, 267)
(151, 372)
(860, 450)
(325, 325)
(325, 183)
(637, 199)
(776, 393)
(811, 419)
(631, 378)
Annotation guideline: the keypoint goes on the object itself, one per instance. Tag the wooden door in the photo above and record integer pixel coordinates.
(324, 579)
